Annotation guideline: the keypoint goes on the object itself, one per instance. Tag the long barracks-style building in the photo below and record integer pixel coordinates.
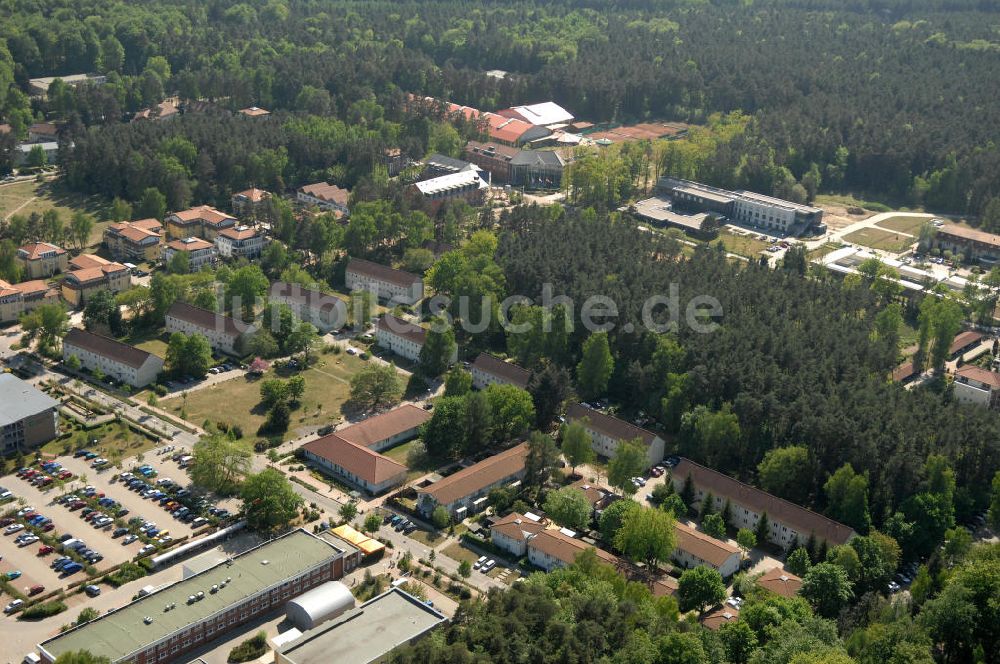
(172, 622)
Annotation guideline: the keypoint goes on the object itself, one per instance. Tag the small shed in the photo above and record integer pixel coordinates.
(319, 605)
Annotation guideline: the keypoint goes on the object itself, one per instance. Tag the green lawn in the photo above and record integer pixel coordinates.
(237, 401)
(114, 441)
(904, 223)
(742, 245)
(151, 341)
(878, 238)
(23, 198)
(460, 553)
(820, 252)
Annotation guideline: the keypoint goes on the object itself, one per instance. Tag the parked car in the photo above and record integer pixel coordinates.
(13, 574)
(92, 590)
(36, 590)
(13, 606)
(71, 568)
(128, 539)
(45, 549)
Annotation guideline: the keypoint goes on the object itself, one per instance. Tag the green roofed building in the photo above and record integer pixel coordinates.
(183, 616)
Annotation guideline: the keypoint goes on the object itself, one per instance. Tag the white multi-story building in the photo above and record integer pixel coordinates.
(396, 286)
(489, 370)
(401, 337)
(608, 432)
(977, 385)
(325, 311)
(224, 333)
(200, 252)
(551, 549)
(696, 548)
(120, 361)
(241, 242)
(773, 214)
(787, 522)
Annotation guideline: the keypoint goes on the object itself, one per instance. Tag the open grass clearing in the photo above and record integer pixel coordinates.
(878, 238)
(237, 401)
(401, 454)
(742, 245)
(23, 198)
(151, 341)
(904, 223)
(460, 553)
(820, 252)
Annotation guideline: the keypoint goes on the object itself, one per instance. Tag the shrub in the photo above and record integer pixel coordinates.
(250, 649)
(127, 572)
(43, 610)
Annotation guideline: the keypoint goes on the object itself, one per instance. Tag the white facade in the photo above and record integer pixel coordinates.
(399, 344)
(218, 338)
(197, 257)
(607, 446)
(383, 289)
(692, 545)
(134, 376)
(243, 245)
(772, 213)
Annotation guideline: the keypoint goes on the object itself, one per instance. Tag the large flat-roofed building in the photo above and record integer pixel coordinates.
(123, 362)
(465, 492)
(28, 416)
(224, 333)
(40, 86)
(42, 259)
(324, 196)
(365, 635)
(695, 548)
(386, 282)
(203, 222)
(469, 186)
(18, 299)
(492, 158)
(972, 243)
(788, 523)
(745, 207)
(136, 241)
(660, 211)
(489, 370)
(324, 310)
(537, 169)
(166, 625)
(90, 274)
(608, 432)
(544, 114)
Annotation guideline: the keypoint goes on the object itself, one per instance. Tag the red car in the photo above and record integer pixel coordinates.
(77, 504)
(65, 475)
(47, 527)
(28, 516)
(35, 590)
(45, 549)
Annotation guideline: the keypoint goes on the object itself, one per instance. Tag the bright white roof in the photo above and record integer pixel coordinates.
(451, 181)
(546, 113)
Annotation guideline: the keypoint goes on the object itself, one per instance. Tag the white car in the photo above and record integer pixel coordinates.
(149, 548)
(10, 530)
(31, 539)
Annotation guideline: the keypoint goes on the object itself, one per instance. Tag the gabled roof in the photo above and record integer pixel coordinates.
(778, 509)
(254, 112)
(971, 234)
(205, 319)
(310, 297)
(382, 272)
(964, 339)
(107, 347)
(254, 195)
(85, 261)
(44, 129)
(709, 549)
(980, 375)
(401, 328)
(517, 527)
(381, 427)
(565, 548)
(36, 250)
(483, 474)
(716, 618)
(325, 191)
(493, 150)
(510, 131)
(137, 231)
(608, 425)
(508, 371)
(203, 213)
(358, 460)
(780, 582)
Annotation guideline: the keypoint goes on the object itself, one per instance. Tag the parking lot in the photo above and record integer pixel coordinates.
(35, 569)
